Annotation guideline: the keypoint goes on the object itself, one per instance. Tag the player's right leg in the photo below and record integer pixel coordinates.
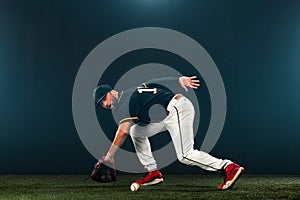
(232, 174)
(180, 125)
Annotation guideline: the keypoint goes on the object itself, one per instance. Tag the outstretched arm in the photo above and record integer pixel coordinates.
(184, 82)
(119, 139)
(191, 82)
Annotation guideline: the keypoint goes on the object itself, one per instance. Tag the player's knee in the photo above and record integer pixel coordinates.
(185, 160)
(182, 160)
(188, 158)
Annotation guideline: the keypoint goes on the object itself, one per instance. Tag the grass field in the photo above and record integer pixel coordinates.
(174, 187)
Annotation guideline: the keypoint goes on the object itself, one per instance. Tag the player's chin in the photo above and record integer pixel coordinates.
(109, 107)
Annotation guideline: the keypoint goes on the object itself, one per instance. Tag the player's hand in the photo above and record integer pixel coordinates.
(104, 171)
(107, 159)
(191, 82)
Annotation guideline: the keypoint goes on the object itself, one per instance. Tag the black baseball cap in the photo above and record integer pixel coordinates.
(100, 92)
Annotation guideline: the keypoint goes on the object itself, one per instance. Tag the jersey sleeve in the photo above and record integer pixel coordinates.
(123, 115)
(171, 83)
(165, 80)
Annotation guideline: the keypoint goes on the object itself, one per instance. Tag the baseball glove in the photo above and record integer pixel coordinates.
(104, 172)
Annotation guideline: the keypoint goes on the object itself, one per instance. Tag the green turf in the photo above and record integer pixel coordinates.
(174, 187)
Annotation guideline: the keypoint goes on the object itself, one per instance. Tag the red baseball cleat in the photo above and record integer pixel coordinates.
(233, 173)
(152, 178)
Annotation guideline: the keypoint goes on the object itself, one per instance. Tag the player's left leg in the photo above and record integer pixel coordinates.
(143, 149)
(144, 154)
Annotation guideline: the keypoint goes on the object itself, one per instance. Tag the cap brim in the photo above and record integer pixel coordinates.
(99, 101)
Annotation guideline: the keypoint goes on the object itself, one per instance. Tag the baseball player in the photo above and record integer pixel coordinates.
(132, 110)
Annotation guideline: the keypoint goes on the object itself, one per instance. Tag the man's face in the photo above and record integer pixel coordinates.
(108, 101)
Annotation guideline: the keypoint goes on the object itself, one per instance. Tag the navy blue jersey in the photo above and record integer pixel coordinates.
(134, 104)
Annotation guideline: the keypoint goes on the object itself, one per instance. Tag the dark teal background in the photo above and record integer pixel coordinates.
(255, 44)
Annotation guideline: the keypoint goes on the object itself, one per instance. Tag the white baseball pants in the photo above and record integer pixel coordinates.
(179, 124)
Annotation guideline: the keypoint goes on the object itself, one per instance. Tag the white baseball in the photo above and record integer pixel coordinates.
(134, 187)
